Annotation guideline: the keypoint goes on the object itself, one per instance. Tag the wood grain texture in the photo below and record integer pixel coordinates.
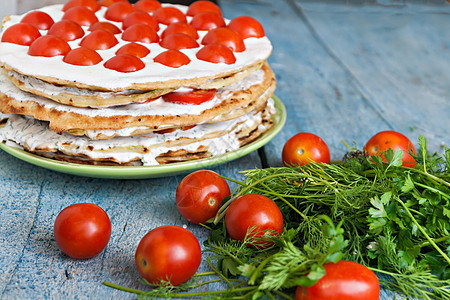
(344, 72)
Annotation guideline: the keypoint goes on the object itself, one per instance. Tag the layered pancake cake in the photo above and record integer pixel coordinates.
(114, 83)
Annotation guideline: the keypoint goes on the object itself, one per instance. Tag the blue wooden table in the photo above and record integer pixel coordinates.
(345, 70)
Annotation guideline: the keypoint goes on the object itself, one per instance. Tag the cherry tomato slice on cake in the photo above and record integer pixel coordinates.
(180, 27)
(255, 213)
(304, 148)
(226, 37)
(140, 17)
(140, 33)
(216, 53)
(178, 41)
(344, 280)
(394, 140)
(82, 230)
(172, 58)
(82, 56)
(67, 30)
(147, 5)
(81, 15)
(91, 4)
(108, 3)
(190, 97)
(134, 49)
(168, 253)
(107, 26)
(169, 15)
(38, 19)
(200, 194)
(207, 21)
(48, 46)
(99, 40)
(117, 12)
(124, 63)
(203, 6)
(247, 27)
(21, 34)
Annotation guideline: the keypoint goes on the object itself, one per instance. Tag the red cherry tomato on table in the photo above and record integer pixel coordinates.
(21, 34)
(394, 140)
(226, 37)
(202, 6)
(147, 5)
(124, 63)
(91, 4)
(82, 57)
(67, 30)
(216, 53)
(168, 253)
(82, 230)
(190, 97)
(254, 211)
(247, 27)
(207, 21)
(344, 280)
(135, 49)
(200, 194)
(168, 15)
(178, 41)
(48, 46)
(172, 58)
(99, 40)
(38, 19)
(81, 15)
(304, 148)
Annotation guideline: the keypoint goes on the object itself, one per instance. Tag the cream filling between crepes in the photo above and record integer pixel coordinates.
(35, 135)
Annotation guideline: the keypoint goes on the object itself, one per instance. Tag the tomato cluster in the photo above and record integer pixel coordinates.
(140, 24)
(304, 148)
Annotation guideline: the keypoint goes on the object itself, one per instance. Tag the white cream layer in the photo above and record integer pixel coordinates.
(16, 56)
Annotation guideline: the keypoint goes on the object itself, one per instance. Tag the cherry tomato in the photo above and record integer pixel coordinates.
(200, 194)
(108, 3)
(169, 15)
(38, 19)
(180, 27)
(202, 6)
(118, 11)
(82, 56)
(140, 33)
(192, 97)
(172, 58)
(91, 4)
(82, 230)
(216, 53)
(254, 211)
(226, 37)
(107, 26)
(344, 280)
(124, 63)
(304, 148)
(81, 15)
(147, 5)
(48, 46)
(140, 17)
(247, 27)
(207, 21)
(384, 140)
(168, 253)
(99, 40)
(67, 30)
(21, 34)
(178, 41)
(134, 49)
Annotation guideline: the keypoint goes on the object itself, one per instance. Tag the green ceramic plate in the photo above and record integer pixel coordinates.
(118, 172)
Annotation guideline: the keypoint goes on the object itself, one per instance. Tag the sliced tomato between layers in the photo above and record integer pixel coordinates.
(196, 96)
